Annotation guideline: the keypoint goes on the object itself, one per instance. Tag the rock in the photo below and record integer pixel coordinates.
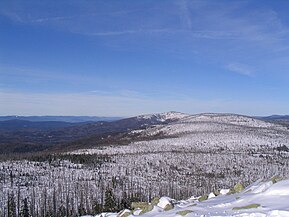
(276, 179)
(146, 209)
(184, 212)
(124, 213)
(137, 211)
(237, 189)
(169, 207)
(251, 206)
(217, 193)
(139, 205)
(203, 198)
(155, 201)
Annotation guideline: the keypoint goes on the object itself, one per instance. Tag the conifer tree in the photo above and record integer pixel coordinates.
(109, 201)
(11, 206)
(125, 202)
(97, 207)
(25, 209)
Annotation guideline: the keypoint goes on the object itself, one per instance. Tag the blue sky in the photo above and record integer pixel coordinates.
(123, 58)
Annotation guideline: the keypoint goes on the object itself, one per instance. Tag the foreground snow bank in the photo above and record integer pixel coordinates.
(270, 198)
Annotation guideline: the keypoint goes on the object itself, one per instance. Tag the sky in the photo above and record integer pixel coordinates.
(124, 58)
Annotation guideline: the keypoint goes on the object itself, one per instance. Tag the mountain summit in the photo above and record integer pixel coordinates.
(164, 117)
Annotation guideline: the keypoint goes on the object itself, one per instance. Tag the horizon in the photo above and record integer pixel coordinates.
(122, 59)
(123, 117)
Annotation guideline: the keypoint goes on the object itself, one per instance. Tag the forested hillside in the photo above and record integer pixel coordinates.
(191, 155)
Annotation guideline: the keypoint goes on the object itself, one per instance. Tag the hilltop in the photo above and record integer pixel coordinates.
(205, 132)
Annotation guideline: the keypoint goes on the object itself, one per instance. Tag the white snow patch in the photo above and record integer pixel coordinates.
(224, 191)
(268, 199)
(164, 201)
(211, 195)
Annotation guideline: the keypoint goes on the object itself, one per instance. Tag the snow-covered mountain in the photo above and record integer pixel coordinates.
(216, 122)
(163, 117)
(171, 154)
(24, 136)
(204, 132)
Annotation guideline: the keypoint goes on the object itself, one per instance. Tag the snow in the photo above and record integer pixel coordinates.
(163, 117)
(260, 188)
(232, 119)
(224, 191)
(269, 200)
(280, 189)
(107, 215)
(164, 201)
(211, 195)
(195, 155)
(137, 212)
(203, 132)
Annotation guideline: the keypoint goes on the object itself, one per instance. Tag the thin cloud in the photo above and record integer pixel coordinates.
(240, 69)
(230, 35)
(80, 104)
(49, 19)
(125, 32)
(86, 15)
(225, 26)
(185, 13)
(16, 103)
(34, 76)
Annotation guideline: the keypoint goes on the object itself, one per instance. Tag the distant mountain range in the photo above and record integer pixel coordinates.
(23, 125)
(20, 134)
(79, 119)
(70, 119)
(28, 136)
(275, 118)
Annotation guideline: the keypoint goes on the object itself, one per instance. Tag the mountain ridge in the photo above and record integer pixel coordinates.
(70, 119)
(206, 132)
(146, 127)
(65, 136)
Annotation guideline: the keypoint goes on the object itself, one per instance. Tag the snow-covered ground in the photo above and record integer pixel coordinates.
(194, 154)
(217, 122)
(260, 199)
(204, 132)
(163, 117)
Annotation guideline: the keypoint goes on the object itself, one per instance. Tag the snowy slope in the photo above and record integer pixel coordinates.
(258, 200)
(228, 119)
(164, 117)
(191, 155)
(234, 132)
(205, 132)
(215, 123)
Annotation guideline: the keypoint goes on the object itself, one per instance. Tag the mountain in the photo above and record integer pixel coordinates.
(162, 117)
(278, 119)
(208, 132)
(275, 118)
(169, 130)
(169, 155)
(70, 119)
(47, 136)
(21, 125)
